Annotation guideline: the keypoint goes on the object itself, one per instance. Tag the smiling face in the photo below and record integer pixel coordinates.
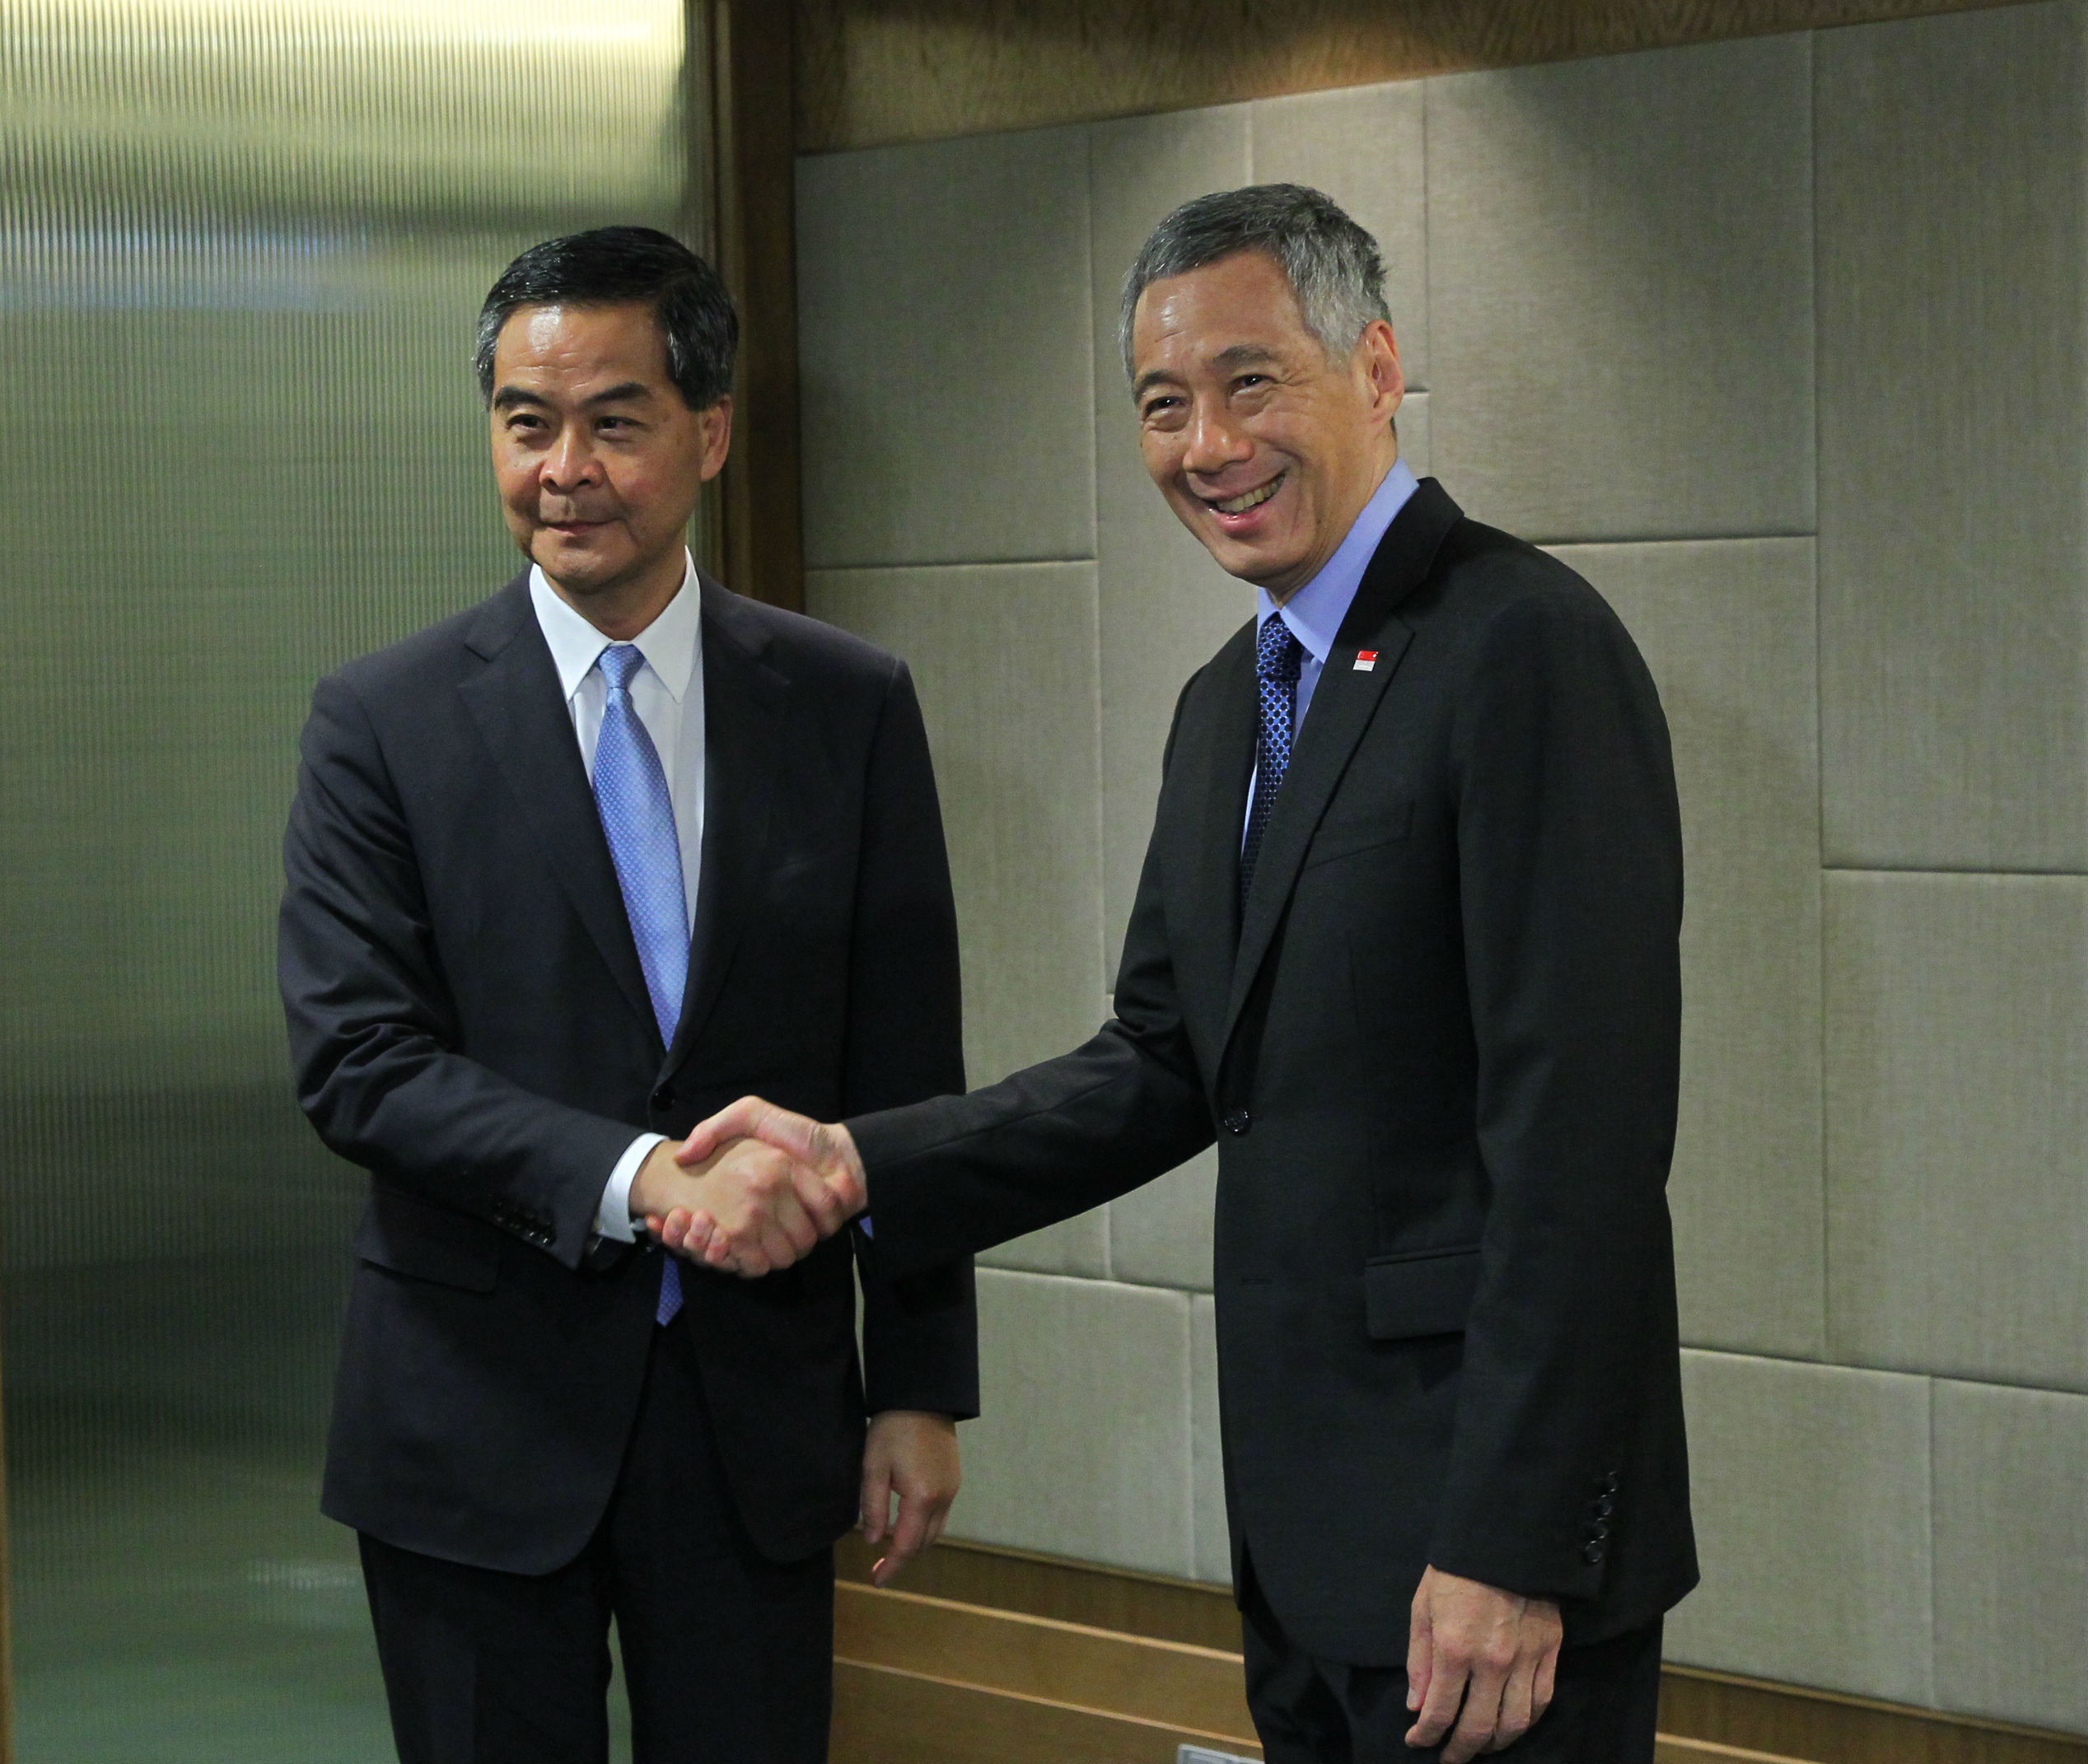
(599, 458)
(1265, 448)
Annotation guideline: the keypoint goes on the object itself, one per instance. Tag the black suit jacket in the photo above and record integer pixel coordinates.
(1438, 1057)
(470, 1022)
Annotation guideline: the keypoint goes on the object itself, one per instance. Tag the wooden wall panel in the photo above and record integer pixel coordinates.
(742, 205)
(870, 72)
(921, 1661)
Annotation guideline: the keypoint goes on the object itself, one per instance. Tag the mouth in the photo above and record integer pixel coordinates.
(1247, 499)
(572, 529)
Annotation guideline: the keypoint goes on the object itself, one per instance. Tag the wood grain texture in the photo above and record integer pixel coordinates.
(1112, 1598)
(1171, 1682)
(741, 52)
(1705, 1716)
(1815, 1724)
(883, 1715)
(873, 71)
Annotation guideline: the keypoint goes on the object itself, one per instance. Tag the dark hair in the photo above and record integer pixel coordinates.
(1331, 262)
(617, 266)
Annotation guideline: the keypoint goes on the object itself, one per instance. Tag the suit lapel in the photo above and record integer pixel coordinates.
(744, 728)
(514, 698)
(1342, 705)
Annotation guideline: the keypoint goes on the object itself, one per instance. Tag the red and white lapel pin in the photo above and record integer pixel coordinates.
(1365, 661)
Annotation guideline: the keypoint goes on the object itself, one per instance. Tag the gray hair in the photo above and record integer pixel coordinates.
(1331, 264)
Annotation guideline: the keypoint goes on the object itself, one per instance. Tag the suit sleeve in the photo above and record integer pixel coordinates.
(905, 1042)
(960, 1173)
(1571, 866)
(373, 1035)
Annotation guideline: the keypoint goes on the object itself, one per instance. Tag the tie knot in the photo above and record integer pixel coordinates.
(619, 664)
(1278, 653)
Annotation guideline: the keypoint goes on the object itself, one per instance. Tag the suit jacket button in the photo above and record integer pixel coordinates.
(1592, 1555)
(664, 1097)
(1237, 1122)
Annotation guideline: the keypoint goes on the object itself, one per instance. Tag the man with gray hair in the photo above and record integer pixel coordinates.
(1405, 944)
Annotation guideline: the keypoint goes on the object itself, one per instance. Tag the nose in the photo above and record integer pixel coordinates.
(1213, 442)
(571, 463)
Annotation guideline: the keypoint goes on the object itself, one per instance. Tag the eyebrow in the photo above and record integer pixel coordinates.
(1240, 355)
(509, 398)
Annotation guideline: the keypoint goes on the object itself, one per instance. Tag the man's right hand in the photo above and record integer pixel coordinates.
(770, 1169)
(764, 1208)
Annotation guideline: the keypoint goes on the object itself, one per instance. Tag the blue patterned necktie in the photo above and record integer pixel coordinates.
(638, 817)
(1278, 657)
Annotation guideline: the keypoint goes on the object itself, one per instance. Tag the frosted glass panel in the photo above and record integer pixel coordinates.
(242, 246)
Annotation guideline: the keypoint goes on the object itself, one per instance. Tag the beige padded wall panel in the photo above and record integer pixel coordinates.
(1364, 147)
(1954, 440)
(943, 346)
(1161, 1234)
(1082, 1446)
(1620, 293)
(1727, 628)
(1003, 657)
(1811, 1490)
(1957, 1124)
(1213, 1537)
(2011, 1553)
(1165, 606)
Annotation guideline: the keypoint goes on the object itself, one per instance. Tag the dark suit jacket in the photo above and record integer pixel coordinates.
(1439, 1058)
(470, 1022)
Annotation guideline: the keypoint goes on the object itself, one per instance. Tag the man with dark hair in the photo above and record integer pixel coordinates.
(1406, 945)
(565, 873)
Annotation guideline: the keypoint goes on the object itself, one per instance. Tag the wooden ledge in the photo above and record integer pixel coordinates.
(985, 1646)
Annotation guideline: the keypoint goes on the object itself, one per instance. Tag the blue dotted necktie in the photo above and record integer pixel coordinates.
(1278, 657)
(638, 817)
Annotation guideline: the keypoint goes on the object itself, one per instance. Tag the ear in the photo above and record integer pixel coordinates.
(1377, 365)
(716, 424)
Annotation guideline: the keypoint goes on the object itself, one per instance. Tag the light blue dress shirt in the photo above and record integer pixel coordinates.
(1314, 613)
(668, 695)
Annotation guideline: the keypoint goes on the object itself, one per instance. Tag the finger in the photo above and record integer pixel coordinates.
(827, 1209)
(699, 1230)
(1546, 1681)
(877, 1497)
(1481, 1717)
(673, 1231)
(910, 1534)
(1447, 1677)
(1421, 1647)
(1516, 1698)
(732, 1122)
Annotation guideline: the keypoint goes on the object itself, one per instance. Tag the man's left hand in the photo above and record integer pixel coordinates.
(1495, 1652)
(914, 1455)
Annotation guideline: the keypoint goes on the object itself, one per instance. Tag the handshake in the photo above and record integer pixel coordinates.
(752, 1190)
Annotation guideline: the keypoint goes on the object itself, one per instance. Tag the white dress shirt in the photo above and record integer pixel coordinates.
(667, 693)
(1315, 612)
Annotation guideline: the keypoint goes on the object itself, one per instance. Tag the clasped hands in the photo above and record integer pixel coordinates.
(752, 1190)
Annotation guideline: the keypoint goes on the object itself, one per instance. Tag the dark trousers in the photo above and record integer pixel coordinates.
(727, 1656)
(1315, 1712)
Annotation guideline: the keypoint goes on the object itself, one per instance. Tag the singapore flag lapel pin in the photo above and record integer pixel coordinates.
(1365, 661)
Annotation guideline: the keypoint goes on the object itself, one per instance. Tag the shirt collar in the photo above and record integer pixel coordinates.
(668, 644)
(1315, 612)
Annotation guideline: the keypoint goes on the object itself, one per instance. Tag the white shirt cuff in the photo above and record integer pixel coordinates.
(613, 1217)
